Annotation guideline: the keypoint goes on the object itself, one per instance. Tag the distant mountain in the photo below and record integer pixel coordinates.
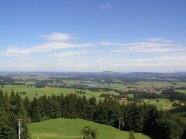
(110, 72)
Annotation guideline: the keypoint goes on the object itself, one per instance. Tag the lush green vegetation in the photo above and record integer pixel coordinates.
(181, 91)
(71, 128)
(132, 116)
(134, 104)
(161, 104)
(32, 91)
(12, 109)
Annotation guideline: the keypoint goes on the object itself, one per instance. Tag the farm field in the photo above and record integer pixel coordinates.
(164, 104)
(71, 82)
(123, 86)
(71, 129)
(32, 92)
(158, 84)
(153, 84)
(118, 86)
(181, 91)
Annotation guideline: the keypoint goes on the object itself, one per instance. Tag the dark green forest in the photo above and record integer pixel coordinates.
(130, 117)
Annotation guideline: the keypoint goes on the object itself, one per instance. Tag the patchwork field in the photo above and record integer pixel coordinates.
(71, 129)
(32, 92)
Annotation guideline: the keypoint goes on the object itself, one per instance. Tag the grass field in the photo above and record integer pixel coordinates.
(118, 86)
(48, 91)
(71, 128)
(71, 82)
(164, 104)
(181, 91)
(153, 84)
(180, 84)
(160, 84)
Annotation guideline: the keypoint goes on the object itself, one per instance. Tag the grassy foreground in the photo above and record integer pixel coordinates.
(71, 128)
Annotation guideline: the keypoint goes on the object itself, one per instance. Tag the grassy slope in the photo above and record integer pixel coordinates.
(71, 128)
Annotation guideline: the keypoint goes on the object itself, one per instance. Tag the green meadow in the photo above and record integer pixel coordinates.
(71, 129)
(160, 84)
(164, 104)
(32, 92)
(181, 91)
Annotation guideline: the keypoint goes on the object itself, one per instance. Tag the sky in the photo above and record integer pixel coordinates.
(93, 35)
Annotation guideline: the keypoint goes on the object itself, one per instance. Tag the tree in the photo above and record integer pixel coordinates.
(27, 106)
(6, 130)
(134, 117)
(131, 135)
(184, 134)
(34, 111)
(89, 133)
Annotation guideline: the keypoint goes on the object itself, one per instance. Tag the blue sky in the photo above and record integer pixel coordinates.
(93, 35)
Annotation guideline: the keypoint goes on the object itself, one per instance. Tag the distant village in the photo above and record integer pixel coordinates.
(149, 89)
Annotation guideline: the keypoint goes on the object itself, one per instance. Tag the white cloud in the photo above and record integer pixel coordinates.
(107, 43)
(155, 46)
(67, 54)
(61, 43)
(50, 46)
(57, 42)
(16, 50)
(105, 6)
(156, 39)
(166, 63)
(55, 36)
(46, 47)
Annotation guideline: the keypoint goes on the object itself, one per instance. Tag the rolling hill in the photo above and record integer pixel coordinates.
(71, 128)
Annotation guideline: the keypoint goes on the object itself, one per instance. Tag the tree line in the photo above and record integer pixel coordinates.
(129, 117)
(11, 109)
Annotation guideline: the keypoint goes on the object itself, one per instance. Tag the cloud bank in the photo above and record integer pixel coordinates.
(61, 53)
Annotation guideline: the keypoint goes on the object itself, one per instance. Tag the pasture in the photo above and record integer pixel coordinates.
(71, 129)
(32, 92)
(181, 91)
(164, 104)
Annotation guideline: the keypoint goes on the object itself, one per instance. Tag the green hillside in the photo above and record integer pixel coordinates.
(71, 128)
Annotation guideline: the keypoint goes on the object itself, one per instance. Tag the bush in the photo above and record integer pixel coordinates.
(131, 135)
(89, 133)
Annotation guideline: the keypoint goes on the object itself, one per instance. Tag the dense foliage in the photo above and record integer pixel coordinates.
(167, 94)
(131, 117)
(131, 135)
(89, 133)
(12, 109)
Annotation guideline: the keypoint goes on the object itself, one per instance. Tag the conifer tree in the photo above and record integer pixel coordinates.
(34, 111)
